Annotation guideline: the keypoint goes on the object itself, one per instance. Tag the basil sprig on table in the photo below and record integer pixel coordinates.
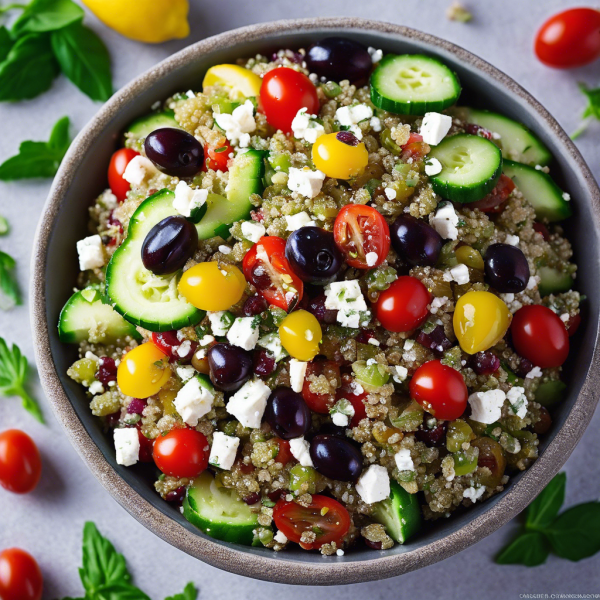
(104, 573)
(591, 111)
(9, 289)
(47, 38)
(574, 534)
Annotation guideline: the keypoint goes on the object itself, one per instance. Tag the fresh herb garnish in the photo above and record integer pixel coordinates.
(592, 110)
(38, 159)
(41, 16)
(4, 226)
(9, 289)
(13, 373)
(574, 534)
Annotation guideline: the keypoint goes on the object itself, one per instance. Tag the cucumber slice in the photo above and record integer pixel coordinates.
(471, 167)
(516, 141)
(539, 190)
(85, 317)
(141, 127)
(400, 514)
(553, 281)
(219, 512)
(413, 84)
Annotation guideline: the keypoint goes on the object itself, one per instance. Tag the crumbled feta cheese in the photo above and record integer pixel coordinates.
(272, 343)
(297, 370)
(401, 373)
(432, 167)
(340, 419)
(444, 221)
(339, 552)
(219, 322)
(566, 197)
(374, 484)
(346, 297)
(206, 340)
(239, 124)
(223, 450)
(375, 124)
(565, 317)
(127, 446)
(185, 373)
(302, 219)
(533, 282)
(434, 127)
(518, 401)
(513, 240)
(184, 348)
(188, 199)
(408, 344)
(306, 182)
(374, 342)
(473, 494)
(404, 460)
(341, 412)
(193, 401)
(244, 333)
(351, 116)
(280, 537)
(534, 373)
(306, 127)
(248, 404)
(91, 253)
(437, 303)
(300, 450)
(390, 193)
(96, 387)
(253, 231)
(224, 249)
(138, 168)
(459, 273)
(376, 55)
(486, 407)
(371, 258)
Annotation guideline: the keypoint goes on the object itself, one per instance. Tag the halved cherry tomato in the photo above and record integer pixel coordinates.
(170, 344)
(20, 464)
(181, 453)
(351, 391)
(283, 93)
(20, 576)
(540, 336)
(285, 454)
(324, 516)
(404, 305)
(218, 156)
(320, 403)
(118, 163)
(573, 324)
(363, 236)
(440, 390)
(268, 270)
(569, 39)
(146, 445)
(415, 148)
(494, 201)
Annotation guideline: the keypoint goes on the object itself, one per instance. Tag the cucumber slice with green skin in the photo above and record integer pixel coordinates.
(143, 126)
(413, 84)
(219, 512)
(85, 318)
(553, 281)
(471, 167)
(539, 190)
(400, 514)
(516, 141)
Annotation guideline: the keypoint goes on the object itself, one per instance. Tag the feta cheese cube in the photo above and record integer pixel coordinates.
(534, 373)
(280, 537)
(239, 124)
(401, 374)
(459, 273)
(518, 401)
(486, 407)
(297, 374)
(188, 199)
(306, 182)
(346, 297)
(434, 127)
(351, 116)
(248, 404)
(404, 460)
(473, 493)
(390, 193)
(432, 167)
(371, 258)
(223, 450)
(193, 401)
(127, 446)
(374, 484)
(306, 127)
(340, 419)
(244, 333)
(220, 322)
(513, 240)
(272, 343)
(91, 253)
(294, 222)
(253, 231)
(184, 348)
(138, 168)
(444, 221)
(300, 450)
(185, 373)
(96, 387)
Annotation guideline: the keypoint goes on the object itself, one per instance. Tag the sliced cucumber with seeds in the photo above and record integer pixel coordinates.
(553, 281)
(539, 190)
(400, 514)
(143, 126)
(413, 84)
(471, 167)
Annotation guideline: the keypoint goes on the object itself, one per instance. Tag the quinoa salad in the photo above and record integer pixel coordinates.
(326, 301)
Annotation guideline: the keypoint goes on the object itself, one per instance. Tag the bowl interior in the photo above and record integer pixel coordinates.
(83, 177)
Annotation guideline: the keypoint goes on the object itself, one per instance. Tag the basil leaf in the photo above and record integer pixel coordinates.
(28, 69)
(120, 591)
(47, 15)
(543, 510)
(9, 289)
(189, 593)
(38, 159)
(6, 43)
(529, 549)
(84, 59)
(575, 534)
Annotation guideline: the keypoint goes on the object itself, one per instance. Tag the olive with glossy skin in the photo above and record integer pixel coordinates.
(506, 268)
(175, 152)
(287, 414)
(338, 58)
(230, 367)
(313, 255)
(415, 241)
(169, 245)
(336, 457)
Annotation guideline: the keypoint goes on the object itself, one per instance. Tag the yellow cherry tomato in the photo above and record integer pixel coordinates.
(151, 21)
(241, 82)
(143, 371)
(470, 257)
(210, 286)
(337, 158)
(480, 321)
(300, 334)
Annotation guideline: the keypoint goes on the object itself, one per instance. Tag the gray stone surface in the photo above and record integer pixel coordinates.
(49, 522)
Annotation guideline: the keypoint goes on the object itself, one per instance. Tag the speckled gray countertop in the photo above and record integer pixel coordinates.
(49, 522)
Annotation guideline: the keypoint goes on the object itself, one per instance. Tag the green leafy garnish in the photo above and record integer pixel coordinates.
(47, 15)
(189, 593)
(4, 226)
(13, 373)
(592, 110)
(38, 159)
(9, 289)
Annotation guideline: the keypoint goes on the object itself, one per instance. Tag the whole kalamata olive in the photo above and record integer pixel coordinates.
(415, 241)
(175, 152)
(338, 58)
(336, 457)
(287, 413)
(230, 366)
(506, 268)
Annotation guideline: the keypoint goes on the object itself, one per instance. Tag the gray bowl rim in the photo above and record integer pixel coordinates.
(336, 570)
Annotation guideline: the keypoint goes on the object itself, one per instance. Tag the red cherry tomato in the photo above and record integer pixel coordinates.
(20, 463)
(360, 230)
(146, 445)
(268, 270)
(283, 93)
(169, 343)
(118, 163)
(356, 398)
(403, 306)
(440, 390)
(494, 201)
(284, 456)
(319, 403)
(331, 525)
(415, 148)
(540, 336)
(569, 39)
(218, 156)
(181, 453)
(573, 324)
(20, 576)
